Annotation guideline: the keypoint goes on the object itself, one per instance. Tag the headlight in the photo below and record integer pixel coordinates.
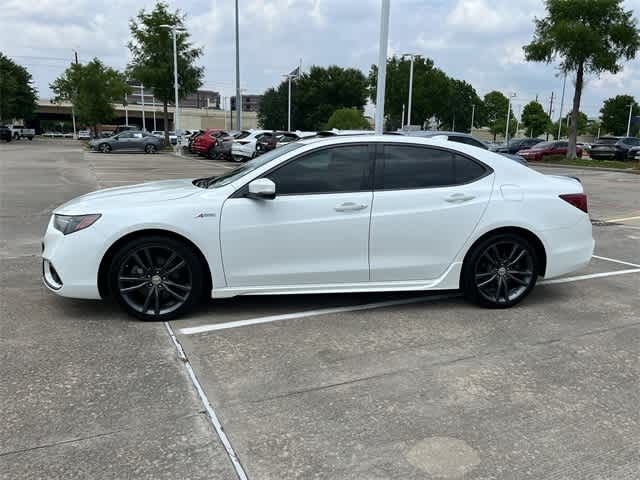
(72, 223)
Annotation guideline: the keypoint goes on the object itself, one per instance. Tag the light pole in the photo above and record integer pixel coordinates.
(402, 119)
(412, 56)
(506, 135)
(144, 126)
(176, 112)
(126, 111)
(153, 100)
(238, 95)
(564, 84)
(629, 122)
(473, 112)
(382, 66)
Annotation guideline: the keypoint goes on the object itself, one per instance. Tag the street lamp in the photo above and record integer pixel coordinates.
(382, 66)
(629, 122)
(412, 56)
(506, 135)
(176, 114)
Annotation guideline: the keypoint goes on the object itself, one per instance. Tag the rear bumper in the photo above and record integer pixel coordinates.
(243, 150)
(568, 249)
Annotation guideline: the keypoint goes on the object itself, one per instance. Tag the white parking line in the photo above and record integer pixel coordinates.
(614, 220)
(213, 417)
(370, 306)
(310, 313)
(617, 261)
(590, 276)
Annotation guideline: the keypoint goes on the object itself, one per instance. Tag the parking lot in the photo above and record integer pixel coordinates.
(353, 386)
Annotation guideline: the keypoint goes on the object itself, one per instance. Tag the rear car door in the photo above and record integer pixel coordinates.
(427, 203)
(316, 229)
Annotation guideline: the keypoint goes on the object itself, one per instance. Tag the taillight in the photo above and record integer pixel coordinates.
(578, 200)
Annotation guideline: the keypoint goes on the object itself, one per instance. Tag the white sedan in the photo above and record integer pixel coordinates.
(244, 145)
(341, 214)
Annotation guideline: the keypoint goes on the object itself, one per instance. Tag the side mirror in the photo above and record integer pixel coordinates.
(262, 188)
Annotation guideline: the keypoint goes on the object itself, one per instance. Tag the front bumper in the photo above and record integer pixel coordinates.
(70, 263)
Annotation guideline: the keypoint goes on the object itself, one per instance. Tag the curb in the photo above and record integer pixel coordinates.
(577, 167)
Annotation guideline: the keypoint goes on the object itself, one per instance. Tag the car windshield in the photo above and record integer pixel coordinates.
(242, 135)
(608, 140)
(542, 145)
(248, 167)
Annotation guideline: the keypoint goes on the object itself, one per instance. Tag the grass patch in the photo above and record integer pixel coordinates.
(583, 162)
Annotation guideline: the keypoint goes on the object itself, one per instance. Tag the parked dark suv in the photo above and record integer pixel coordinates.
(518, 144)
(613, 148)
(5, 133)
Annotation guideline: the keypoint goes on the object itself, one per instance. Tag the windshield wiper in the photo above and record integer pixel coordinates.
(204, 182)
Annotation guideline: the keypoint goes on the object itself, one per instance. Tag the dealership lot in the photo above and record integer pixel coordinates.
(324, 386)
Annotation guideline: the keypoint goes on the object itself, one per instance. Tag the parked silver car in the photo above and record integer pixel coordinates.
(129, 141)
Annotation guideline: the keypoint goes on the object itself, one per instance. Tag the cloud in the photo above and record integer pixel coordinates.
(479, 41)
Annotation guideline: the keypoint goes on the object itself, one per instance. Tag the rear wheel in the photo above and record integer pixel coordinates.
(500, 271)
(156, 278)
(150, 148)
(212, 153)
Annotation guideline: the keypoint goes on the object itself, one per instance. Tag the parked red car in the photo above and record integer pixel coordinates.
(545, 149)
(206, 143)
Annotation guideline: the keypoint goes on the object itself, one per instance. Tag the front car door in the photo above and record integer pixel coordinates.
(122, 141)
(315, 231)
(427, 203)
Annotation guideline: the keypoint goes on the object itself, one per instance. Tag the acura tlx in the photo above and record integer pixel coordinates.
(342, 214)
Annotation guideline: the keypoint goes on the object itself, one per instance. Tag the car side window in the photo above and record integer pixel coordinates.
(125, 135)
(406, 167)
(330, 170)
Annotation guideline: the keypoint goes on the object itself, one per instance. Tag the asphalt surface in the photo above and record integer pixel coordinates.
(420, 387)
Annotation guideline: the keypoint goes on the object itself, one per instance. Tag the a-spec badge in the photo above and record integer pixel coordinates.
(203, 215)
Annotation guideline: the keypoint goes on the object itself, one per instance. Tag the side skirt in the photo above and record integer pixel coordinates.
(450, 280)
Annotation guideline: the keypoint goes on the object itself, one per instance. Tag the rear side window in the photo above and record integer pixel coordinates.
(330, 170)
(406, 167)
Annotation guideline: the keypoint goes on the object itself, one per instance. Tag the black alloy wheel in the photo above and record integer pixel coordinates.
(500, 271)
(156, 278)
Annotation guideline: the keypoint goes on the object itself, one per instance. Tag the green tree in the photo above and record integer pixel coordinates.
(348, 119)
(315, 96)
(495, 107)
(615, 114)
(151, 49)
(589, 36)
(93, 88)
(434, 95)
(17, 94)
(534, 119)
(583, 125)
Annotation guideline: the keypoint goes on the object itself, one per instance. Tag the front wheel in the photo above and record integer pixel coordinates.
(104, 148)
(500, 271)
(156, 278)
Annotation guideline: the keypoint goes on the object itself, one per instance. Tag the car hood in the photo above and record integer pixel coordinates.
(129, 196)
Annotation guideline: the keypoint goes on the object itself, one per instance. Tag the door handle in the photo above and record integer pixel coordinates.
(350, 207)
(459, 198)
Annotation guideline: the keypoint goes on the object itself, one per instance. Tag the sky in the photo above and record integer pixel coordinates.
(479, 41)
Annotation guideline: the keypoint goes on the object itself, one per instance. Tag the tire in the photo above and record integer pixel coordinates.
(16, 136)
(30, 138)
(237, 158)
(500, 271)
(149, 289)
(104, 147)
(212, 154)
(150, 148)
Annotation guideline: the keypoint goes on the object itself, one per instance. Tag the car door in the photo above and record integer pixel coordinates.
(427, 203)
(137, 141)
(122, 141)
(316, 229)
